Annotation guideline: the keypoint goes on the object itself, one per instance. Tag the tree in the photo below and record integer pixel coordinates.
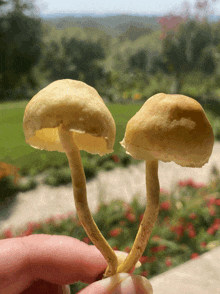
(74, 59)
(186, 50)
(139, 61)
(20, 46)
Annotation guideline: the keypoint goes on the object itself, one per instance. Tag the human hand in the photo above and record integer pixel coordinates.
(45, 263)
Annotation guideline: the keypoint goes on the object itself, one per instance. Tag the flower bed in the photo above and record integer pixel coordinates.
(188, 226)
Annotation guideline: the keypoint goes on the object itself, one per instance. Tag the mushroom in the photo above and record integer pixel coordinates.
(168, 128)
(69, 116)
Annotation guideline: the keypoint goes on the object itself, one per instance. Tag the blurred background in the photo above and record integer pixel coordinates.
(128, 51)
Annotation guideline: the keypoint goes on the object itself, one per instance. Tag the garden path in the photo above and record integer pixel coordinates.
(122, 183)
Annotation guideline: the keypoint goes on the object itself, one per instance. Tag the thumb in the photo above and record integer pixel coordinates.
(122, 283)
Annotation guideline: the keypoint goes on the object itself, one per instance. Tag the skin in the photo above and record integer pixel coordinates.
(43, 263)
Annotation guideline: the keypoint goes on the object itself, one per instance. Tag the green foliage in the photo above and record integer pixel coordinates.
(188, 225)
(8, 189)
(188, 49)
(20, 50)
(74, 59)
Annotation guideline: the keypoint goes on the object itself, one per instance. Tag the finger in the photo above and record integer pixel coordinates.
(55, 259)
(44, 287)
(121, 284)
(63, 260)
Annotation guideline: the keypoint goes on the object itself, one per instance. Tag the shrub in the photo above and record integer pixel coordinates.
(8, 181)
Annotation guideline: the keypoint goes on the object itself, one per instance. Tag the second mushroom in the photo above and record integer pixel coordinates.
(167, 128)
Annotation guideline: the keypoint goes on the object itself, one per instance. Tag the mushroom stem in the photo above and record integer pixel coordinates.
(79, 191)
(149, 218)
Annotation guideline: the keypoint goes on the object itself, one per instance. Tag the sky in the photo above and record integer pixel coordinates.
(142, 7)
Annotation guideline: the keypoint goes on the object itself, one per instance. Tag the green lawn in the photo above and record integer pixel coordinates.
(14, 150)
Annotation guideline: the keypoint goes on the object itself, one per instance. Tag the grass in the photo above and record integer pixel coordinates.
(14, 150)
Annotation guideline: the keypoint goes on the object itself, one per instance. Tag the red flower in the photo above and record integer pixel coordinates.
(115, 248)
(211, 231)
(168, 262)
(193, 216)
(158, 248)
(115, 158)
(217, 221)
(86, 240)
(130, 216)
(127, 249)
(179, 230)
(191, 230)
(8, 233)
(194, 255)
(143, 259)
(141, 217)
(115, 232)
(203, 244)
(217, 202)
(211, 201)
(216, 226)
(144, 273)
(212, 210)
(147, 259)
(165, 205)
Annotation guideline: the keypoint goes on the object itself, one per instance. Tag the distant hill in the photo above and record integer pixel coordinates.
(113, 25)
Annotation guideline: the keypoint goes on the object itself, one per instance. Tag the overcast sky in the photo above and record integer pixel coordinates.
(115, 6)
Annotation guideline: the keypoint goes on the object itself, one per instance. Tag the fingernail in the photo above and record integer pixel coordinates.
(110, 283)
(66, 289)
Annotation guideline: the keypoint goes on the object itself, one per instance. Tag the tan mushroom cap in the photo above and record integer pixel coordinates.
(79, 108)
(170, 128)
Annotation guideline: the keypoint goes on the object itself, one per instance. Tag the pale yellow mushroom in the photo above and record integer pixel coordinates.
(168, 128)
(69, 116)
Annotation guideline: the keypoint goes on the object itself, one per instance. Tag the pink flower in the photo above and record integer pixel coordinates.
(190, 183)
(168, 262)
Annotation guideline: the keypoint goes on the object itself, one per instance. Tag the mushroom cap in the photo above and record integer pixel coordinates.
(79, 108)
(170, 128)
